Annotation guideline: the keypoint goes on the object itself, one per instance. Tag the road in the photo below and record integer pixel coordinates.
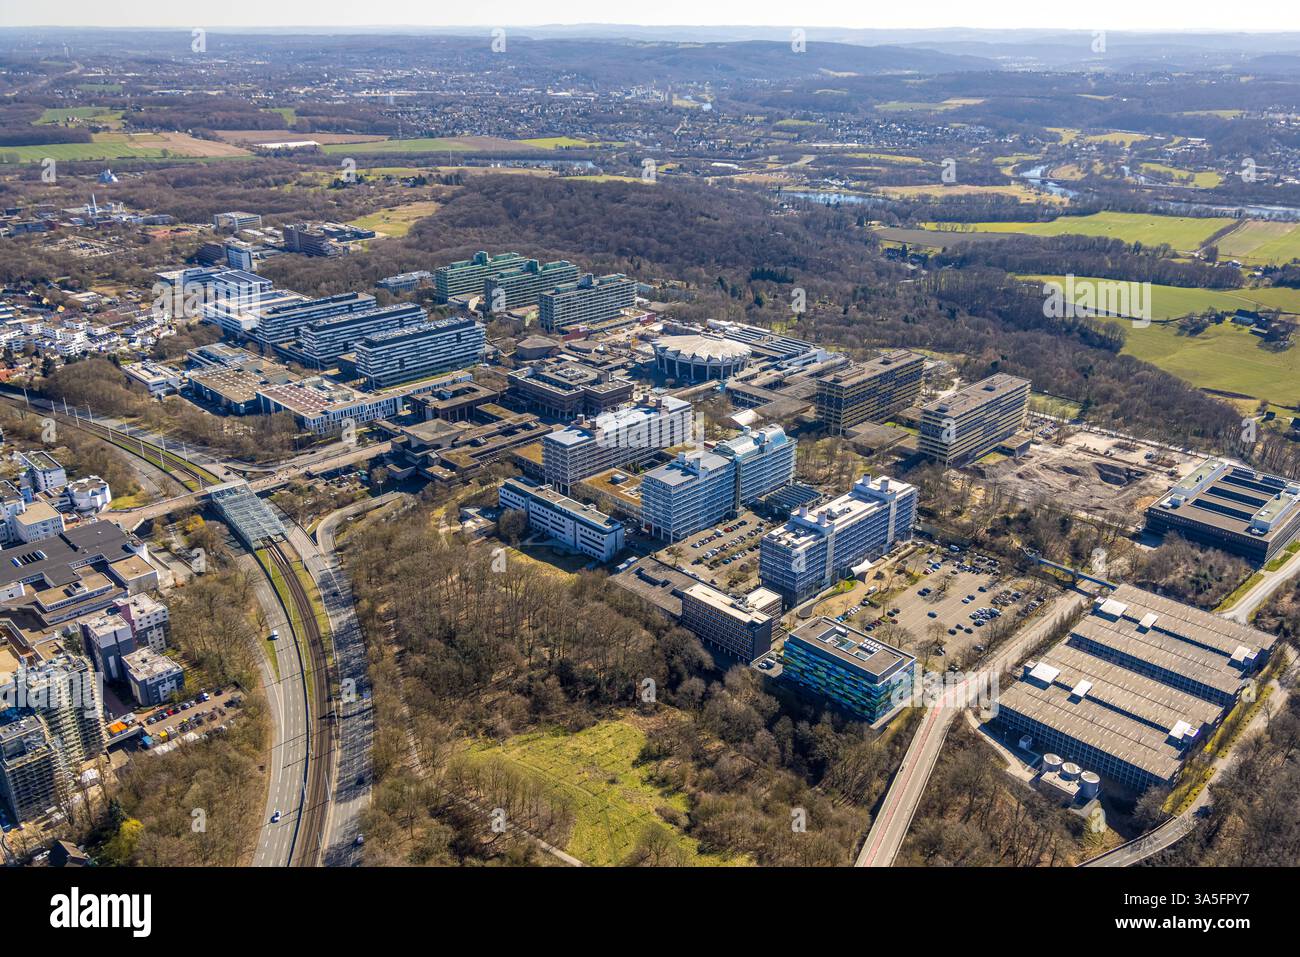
(894, 818)
(354, 727)
(287, 765)
(1250, 602)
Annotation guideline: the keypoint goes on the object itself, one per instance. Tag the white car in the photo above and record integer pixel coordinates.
(275, 818)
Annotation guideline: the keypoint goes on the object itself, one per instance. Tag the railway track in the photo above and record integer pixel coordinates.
(309, 831)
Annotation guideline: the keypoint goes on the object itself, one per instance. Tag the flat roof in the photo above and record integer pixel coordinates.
(872, 368)
(855, 648)
(1235, 500)
(977, 394)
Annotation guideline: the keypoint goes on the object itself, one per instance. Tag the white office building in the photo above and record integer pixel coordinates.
(573, 524)
(622, 437)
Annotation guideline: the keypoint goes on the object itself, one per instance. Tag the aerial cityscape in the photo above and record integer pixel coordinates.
(649, 446)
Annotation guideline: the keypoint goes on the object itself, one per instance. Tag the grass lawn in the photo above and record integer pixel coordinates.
(1173, 302)
(100, 114)
(110, 146)
(1183, 233)
(555, 142)
(1015, 190)
(1261, 242)
(397, 220)
(612, 798)
(889, 158)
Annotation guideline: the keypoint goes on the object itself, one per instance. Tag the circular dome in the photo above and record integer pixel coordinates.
(701, 349)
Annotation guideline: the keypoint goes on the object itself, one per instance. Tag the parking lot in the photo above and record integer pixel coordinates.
(725, 556)
(962, 601)
(204, 711)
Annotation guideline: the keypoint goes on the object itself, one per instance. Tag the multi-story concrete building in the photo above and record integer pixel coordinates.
(153, 678)
(325, 340)
(523, 285)
(43, 472)
(564, 389)
(37, 521)
(418, 350)
(817, 546)
(575, 525)
(728, 624)
(65, 692)
(283, 323)
(33, 774)
(236, 221)
(588, 301)
(693, 357)
(622, 437)
(405, 282)
(1137, 682)
(699, 488)
(689, 493)
(1249, 513)
(106, 639)
(150, 620)
(466, 277)
(869, 391)
(324, 407)
(867, 678)
(975, 420)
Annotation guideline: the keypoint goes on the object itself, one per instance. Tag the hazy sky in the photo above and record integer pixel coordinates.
(1259, 16)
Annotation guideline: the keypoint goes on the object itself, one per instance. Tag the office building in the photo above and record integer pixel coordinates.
(324, 407)
(865, 677)
(817, 546)
(419, 350)
(869, 391)
(1232, 507)
(35, 522)
(466, 277)
(975, 420)
(34, 778)
(236, 221)
(283, 323)
(310, 241)
(523, 285)
(564, 389)
(1137, 682)
(106, 638)
(150, 620)
(153, 678)
(87, 496)
(405, 282)
(323, 341)
(730, 625)
(586, 302)
(575, 525)
(699, 488)
(690, 493)
(626, 436)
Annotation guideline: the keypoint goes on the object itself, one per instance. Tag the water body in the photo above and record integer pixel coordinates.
(836, 199)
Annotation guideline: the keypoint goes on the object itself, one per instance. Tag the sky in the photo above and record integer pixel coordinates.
(1262, 16)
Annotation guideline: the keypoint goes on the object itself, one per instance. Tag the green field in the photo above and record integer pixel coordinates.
(397, 220)
(1225, 357)
(1203, 179)
(465, 144)
(1181, 232)
(101, 114)
(1174, 302)
(612, 798)
(1261, 243)
(555, 142)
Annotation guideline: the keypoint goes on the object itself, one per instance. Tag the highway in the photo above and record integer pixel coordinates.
(894, 818)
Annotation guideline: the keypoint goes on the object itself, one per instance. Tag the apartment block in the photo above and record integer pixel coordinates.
(588, 301)
(106, 639)
(523, 285)
(865, 677)
(869, 391)
(975, 420)
(33, 775)
(43, 471)
(575, 525)
(815, 547)
(1232, 507)
(1137, 682)
(418, 350)
(65, 693)
(622, 437)
(466, 277)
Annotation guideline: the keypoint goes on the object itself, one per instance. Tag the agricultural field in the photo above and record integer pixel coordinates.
(253, 137)
(888, 158)
(1183, 233)
(110, 146)
(458, 144)
(397, 220)
(1015, 190)
(611, 797)
(556, 143)
(907, 106)
(1261, 242)
(1203, 179)
(98, 115)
